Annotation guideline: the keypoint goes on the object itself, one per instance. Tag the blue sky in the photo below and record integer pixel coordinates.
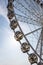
(10, 53)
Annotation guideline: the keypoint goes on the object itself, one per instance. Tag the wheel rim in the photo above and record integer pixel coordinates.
(23, 19)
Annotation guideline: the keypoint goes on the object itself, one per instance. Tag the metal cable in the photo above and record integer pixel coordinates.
(31, 6)
(24, 14)
(32, 13)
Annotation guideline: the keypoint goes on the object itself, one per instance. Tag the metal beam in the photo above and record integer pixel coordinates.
(28, 41)
(33, 31)
(32, 13)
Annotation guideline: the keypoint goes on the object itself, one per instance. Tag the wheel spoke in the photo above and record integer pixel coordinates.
(27, 19)
(32, 13)
(33, 31)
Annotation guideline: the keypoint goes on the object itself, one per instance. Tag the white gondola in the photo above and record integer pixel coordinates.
(33, 58)
(18, 35)
(10, 7)
(25, 47)
(41, 4)
(38, 1)
(40, 63)
(10, 15)
(10, 0)
(13, 24)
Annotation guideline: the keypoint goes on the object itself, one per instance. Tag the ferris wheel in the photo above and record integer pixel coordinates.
(26, 20)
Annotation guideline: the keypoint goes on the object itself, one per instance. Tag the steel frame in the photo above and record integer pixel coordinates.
(24, 35)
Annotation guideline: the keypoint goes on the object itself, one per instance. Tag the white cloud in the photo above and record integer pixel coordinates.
(10, 53)
(3, 10)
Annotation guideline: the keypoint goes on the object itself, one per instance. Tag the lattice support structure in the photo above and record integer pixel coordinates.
(19, 34)
(39, 47)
